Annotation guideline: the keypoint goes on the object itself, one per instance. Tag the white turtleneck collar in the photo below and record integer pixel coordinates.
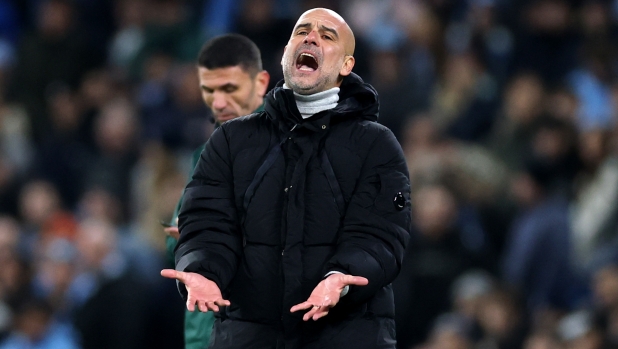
(317, 102)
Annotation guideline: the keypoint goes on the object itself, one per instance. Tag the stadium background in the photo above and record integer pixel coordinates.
(506, 111)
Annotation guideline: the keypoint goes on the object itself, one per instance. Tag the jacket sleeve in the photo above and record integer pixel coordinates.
(376, 226)
(210, 242)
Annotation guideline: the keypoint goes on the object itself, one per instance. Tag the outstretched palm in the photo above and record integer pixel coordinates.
(326, 295)
(201, 291)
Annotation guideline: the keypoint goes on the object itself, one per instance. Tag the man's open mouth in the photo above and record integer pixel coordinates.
(306, 62)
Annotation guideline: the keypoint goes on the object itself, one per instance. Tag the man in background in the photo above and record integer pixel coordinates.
(233, 84)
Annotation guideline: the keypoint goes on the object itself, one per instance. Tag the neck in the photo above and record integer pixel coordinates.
(308, 105)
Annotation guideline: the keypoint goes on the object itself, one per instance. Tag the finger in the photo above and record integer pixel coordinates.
(203, 306)
(212, 306)
(190, 304)
(301, 306)
(355, 280)
(308, 315)
(222, 302)
(173, 274)
(320, 314)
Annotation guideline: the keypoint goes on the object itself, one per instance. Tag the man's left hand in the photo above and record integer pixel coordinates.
(326, 295)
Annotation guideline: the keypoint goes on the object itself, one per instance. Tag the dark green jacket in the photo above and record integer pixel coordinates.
(198, 325)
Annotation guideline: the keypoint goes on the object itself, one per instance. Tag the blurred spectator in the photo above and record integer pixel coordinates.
(9, 187)
(502, 321)
(54, 53)
(479, 29)
(396, 92)
(168, 31)
(465, 101)
(16, 149)
(128, 39)
(63, 149)
(98, 88)
(110, 301)
(257, 22)
(522, 106)
(152, 88)
(541, 341)
(385, 23)
(604, 285)
(15, 146)
(425, 149)
(99, 204)
(116, 129)
(54, 272)
(537, 261)
(40, 205)
(562, 104)
(591, 85)
(9, 233)
(141, 250)
(35, 328)
(11, 280)
(433, 261)
(474, 173)
(182, 122)
(595, 205)
(554, 147)
(9, 32)
(218, 16)
(14, 283)
(596, 19)
(546, 43)
(469, 291)
(450, 331)
(578, 331)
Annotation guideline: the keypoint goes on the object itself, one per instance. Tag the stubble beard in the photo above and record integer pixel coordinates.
(296, 83)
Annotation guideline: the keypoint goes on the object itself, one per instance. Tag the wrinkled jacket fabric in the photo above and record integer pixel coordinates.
(276, 202)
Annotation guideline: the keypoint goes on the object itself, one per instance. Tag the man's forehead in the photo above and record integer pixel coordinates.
(323, 15)
(233, 73)
(332, 20)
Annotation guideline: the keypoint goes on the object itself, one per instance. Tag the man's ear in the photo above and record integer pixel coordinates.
(261, 82)
(348, 64)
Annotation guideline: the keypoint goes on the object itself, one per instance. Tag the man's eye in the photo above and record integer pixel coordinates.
(302, 33)
(327, 37)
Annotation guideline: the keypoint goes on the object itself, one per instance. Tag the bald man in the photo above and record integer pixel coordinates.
(296, 220)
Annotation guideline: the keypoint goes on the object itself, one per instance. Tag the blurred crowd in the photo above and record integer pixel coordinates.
(506, 111)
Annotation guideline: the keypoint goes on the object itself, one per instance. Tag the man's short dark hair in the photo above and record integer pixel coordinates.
(231, 50)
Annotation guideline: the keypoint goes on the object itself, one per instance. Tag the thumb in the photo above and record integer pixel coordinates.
(355, 280)
(172, 274)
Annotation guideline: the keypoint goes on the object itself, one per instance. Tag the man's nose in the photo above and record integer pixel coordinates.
(219, 101)
(312, 38)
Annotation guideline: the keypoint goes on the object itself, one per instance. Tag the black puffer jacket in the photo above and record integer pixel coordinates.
(276, 202)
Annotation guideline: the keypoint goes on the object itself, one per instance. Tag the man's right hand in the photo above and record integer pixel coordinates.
(200, 290)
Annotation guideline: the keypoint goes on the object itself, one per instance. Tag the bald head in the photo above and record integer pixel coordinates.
(340, 26)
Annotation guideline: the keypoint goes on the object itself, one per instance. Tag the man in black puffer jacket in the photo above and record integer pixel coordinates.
(302, 207)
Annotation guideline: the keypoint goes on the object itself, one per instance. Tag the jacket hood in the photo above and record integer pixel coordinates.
(357, 99)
